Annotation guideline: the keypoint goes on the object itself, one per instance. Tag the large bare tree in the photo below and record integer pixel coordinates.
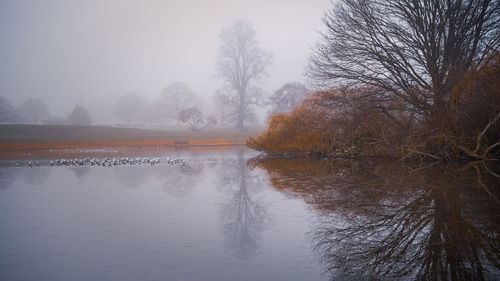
(411, 50)
(178, 96)
(241, 63)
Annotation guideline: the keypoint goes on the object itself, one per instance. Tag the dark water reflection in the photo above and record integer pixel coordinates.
(380, 220)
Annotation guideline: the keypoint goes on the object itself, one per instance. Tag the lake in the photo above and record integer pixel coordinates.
(230, 215)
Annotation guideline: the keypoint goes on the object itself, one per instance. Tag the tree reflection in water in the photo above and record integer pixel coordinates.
(379, 220)
(36, 176)
(7, 176)
(244, 217)
(131, 176)
(80, 172)
(180, 181)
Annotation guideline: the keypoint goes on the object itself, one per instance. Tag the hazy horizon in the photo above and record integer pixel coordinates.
(92, 52)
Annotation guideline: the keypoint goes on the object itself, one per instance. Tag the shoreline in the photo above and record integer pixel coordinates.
(23, 141)
(19, 150)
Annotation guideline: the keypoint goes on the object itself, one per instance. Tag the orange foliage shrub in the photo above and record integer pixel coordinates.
(319, 127)
(300, 132)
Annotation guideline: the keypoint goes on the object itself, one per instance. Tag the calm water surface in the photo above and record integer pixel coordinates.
(227, 215)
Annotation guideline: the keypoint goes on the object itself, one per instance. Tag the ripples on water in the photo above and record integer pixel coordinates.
(227, 216)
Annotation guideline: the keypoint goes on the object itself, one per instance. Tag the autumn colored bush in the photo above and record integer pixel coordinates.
(301, 132)
(328, 124)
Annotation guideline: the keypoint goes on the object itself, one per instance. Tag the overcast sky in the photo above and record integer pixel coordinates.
(92, 51)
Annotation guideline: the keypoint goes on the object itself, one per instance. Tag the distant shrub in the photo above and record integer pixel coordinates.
(194, 119)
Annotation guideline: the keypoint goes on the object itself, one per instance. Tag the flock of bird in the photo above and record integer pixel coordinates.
(107, 162)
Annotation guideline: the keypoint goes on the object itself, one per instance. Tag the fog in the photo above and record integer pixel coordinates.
(92, 52)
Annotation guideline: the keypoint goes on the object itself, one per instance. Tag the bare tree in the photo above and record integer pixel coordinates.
(194, 119)
(286, 98)
(241, 63)
(178, 97)
(414, 51)
(7, 111)
(79, 116)
(129, 107)
(33, 110)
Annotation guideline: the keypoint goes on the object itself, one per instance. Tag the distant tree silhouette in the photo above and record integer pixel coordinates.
(8, 112)
(286, 98)
(80, 116)
(241, 63)
(130, 107)
(194, 119)
(33, 111)
(178, 96)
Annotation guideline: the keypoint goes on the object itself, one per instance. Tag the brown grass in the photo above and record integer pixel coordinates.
(19, 139)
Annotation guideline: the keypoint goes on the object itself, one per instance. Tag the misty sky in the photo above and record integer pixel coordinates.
(90, 52)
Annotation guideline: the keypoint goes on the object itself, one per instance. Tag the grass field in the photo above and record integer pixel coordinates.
(39, 137)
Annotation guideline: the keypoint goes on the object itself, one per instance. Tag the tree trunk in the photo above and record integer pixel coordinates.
(438, 110)
(241, 111)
